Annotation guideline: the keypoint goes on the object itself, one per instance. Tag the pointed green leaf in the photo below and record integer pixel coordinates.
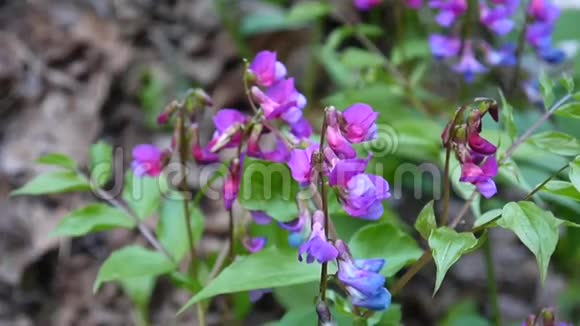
(537, 229)
(268, 187)
(569, 110)
(426, 221)
(385, 241)
(100, 163)
(308, 11)
(57, 159)
(172, 228)
(53, 183)
(556, 142)
(487, 218)
(574, 173)
(139, 290)
(447, 247)
(142, 194)
(269, 268)
(132, 261)
(547, 89)
(562, 188)
(92, 218)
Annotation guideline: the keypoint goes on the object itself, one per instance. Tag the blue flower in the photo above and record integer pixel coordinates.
(362, 280)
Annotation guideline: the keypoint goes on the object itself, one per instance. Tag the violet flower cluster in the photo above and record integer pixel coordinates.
(360, 194)
(277, 115)
(476, 155)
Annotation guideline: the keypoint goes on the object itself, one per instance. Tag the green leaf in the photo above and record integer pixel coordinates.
(297, 295)
(390, 317)
(259, 23)
(100, 163)
(358, 58)
(537, 229)
(568, 82)
(57, 159)
(562, 188)
(172, 228)
(569, 110)
(142, 194)
(575, 173)
(92, 218)
(487, 218)
(304, 12)
(53, 183)
(132, 261)
(556, 142)
(268, 187)
(426, 220)
(447, 247)
(507, 117)
(269, 268)
(139, 290)
(547, 89)
(385, 241)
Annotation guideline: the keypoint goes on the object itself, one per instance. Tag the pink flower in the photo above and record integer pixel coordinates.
(359, 123)
(365, 5)
(266, 69)
(481, 176)
(147, 160)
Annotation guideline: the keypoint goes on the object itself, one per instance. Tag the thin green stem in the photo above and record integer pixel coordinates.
(183, 154)
(411, 272)
(446, 186)
(231, 235)
(322, 185)
(491, 283)
(541, 185)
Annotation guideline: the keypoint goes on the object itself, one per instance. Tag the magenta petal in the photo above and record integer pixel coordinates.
(146, 152)
(490, 166)
(226, 118)
(359, 122)
(381, 187)
(481, 145)
(470, 173)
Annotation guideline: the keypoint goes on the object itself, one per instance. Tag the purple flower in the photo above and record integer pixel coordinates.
(147, 160)
(365, 5)
(335, 138)
(228, 131)
(280, 154)
(261, 218)
(450, 10)
(468, 64)
(532, 91)
(363, 195)
(444, 47)
(414, 4)
(300, 164)
(505, 56)
(317, 247)
(539, 35)
(281, 100)
(301, 128)
(362, 280)
(359, 123)
(480, 145)
(202, 155)
(266, 69)
(297, 224)
(543, 11)
(231, 184)
(344, 170)
(497, 19)
(254, 245)
(481, 176)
